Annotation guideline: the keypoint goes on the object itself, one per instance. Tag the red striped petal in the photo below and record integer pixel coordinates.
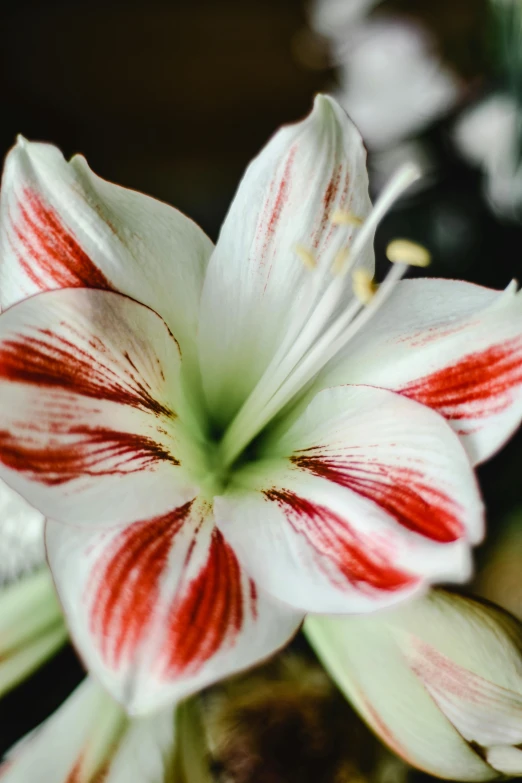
(47, 251)
(452, 346)
(162, 608)
(475, 387)
(402, 492)
(365, 498)
(88, 385)
(61, 226)
(356, 560)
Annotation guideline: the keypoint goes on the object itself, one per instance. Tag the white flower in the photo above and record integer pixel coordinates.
(439, 680)
(227, 438)
(487, 135)
(336, 17)
(90, 734)
(392, 82)
(90, 738)
(21, 536)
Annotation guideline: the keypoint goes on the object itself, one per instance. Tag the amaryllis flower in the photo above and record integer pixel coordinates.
(438, 679)
(91, 738)
(224, 439)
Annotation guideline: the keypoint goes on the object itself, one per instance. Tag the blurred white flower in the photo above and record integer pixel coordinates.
(21, 536)
(90, 739)
(487, 135)
(392, 83)
(335, 17)
(438, 679)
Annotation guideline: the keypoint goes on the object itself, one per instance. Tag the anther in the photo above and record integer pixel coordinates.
(364, 286)
(340, 261)
(342, 217)
(306, 256)
(403, 251)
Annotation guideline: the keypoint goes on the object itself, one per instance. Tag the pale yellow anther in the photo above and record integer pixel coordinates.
(343, 217)
(340, 261)
(306, 256)
(403, 251)
(363, 285)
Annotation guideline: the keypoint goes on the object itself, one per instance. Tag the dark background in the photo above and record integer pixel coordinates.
(174, 98)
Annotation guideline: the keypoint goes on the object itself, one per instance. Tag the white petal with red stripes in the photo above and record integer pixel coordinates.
(362, 500)
(163, 607)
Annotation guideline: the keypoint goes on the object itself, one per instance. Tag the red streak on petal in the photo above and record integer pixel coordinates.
(94, 452)
(52, 360)
(207, 612)
(338, 184)
(209, 615)
(401, 492)
(128, 578)
(477, 386)
(272, 210)
(75, 775)
(446, 677)
(355, 557)
(48, 253)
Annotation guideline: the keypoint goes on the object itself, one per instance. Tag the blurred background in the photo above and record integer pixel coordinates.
(175, 97)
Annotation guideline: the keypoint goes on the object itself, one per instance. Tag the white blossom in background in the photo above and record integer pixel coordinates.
(90, 739)
(392, 82)
(488, 135)
(438, 679)
(21, 536)
(390, 79)
(335, 18)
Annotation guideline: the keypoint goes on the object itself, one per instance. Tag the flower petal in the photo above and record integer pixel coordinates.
(452, 346)
(21, 536)
(365, 499)
(162, 608)
(89, 404)
(439, 679)
(286, 199)
(31, 627)
(62, 226)
(89, 739)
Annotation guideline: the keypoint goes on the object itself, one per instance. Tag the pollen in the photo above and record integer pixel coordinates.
(340, 261)
(364, 286)
(402, 251)
(342, 217)
(306, 256)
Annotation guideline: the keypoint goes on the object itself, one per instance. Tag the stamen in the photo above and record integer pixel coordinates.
(319, 332)
(342, 217)
(403, 251)
(306, 256)
(364, 286)
(339, 265)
